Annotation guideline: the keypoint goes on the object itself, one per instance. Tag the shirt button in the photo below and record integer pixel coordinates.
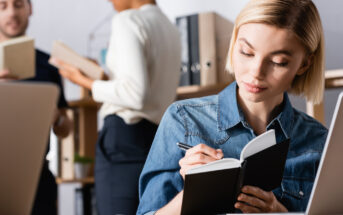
(301, 193)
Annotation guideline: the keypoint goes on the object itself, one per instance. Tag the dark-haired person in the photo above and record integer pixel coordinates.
(14, 20)
(144, 58)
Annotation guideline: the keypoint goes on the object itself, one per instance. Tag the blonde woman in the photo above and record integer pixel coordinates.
(277, 46)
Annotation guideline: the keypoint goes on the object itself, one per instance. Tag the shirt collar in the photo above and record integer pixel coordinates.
(285, 118)
(229, 113)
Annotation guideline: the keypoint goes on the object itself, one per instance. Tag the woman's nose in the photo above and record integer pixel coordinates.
(257, 69)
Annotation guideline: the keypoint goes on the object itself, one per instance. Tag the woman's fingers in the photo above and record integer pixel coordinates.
(252, 200)
(259, 193)
(198, 155)
(204, 149)
(246, 208)
(257, 200)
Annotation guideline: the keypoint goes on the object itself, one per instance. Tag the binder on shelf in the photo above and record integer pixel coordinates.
(194, 49)
(182, 24)
(209, 37)
(207, 48)
(223, 32)
(68, 149)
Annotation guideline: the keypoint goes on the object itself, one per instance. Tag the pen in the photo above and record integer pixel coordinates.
(183, 146)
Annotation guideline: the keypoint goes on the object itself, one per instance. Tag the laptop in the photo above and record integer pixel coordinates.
(26, 113)
(327, 192)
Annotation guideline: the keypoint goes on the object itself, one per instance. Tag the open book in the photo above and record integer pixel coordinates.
(62, 52)
(18, 57)
(213, 188)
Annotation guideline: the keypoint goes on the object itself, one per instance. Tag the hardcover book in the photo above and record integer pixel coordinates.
(62, 52)
(18, 57)
(213, 188)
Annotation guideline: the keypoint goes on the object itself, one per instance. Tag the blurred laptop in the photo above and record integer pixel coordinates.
(327, 192)
(26, 113)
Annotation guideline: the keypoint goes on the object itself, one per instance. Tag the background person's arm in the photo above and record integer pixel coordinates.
(62, 124)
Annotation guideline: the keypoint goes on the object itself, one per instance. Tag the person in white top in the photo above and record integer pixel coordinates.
(144, 59)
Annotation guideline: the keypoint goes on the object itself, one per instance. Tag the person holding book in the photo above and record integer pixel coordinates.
(276, 46)
(14, 20)
(144, 58)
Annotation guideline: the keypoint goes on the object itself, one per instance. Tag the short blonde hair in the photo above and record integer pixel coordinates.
(302, 18)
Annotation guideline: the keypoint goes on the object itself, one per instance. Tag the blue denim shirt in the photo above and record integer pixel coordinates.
(219, 122)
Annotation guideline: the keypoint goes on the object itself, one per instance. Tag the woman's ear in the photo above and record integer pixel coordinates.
(306, 64)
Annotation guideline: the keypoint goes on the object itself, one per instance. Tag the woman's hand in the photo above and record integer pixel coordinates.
(198, 155)
(255, 200)
(72, 73)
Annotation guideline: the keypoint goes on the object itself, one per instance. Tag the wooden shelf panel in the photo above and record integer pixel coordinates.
(194, 91)
(86, 102)
(88, 180)
(334, 78)
(333, 83)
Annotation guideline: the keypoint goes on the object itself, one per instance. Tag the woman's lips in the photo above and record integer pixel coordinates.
(252, 88)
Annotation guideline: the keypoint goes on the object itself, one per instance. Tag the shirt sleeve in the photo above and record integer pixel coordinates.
(126, 59)
(160, 180)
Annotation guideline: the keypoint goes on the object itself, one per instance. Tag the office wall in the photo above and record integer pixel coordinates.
(83, 24)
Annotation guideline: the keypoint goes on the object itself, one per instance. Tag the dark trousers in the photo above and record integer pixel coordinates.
(120, 155)
(46, 196)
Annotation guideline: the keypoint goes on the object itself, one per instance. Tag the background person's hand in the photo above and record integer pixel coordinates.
(72, 73)
(6, 76)
(198, 155)
(255, 200)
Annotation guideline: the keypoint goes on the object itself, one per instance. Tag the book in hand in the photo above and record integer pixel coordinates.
(213, 188)
(18, 56)
(62, 52)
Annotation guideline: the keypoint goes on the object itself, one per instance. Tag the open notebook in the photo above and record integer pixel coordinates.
(327, 191)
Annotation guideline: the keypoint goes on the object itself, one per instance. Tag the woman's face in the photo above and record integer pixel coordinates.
(120, 5)
(265, 62)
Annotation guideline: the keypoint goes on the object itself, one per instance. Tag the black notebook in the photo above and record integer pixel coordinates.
(214, 187)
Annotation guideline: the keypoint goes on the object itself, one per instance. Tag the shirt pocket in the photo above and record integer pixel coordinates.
(295, 193)
(212, 141)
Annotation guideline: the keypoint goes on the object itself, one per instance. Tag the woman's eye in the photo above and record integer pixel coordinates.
(2, 5)
(283, 64)
(246, 54)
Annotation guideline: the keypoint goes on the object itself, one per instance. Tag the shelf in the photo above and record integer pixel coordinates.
(334, 78)
(187, 92)
(86, 102)
(88, 180)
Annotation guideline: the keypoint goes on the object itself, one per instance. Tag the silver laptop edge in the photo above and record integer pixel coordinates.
(318, 203)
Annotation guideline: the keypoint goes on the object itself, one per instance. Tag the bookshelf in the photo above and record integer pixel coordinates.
(333, 79)
(82, 138)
